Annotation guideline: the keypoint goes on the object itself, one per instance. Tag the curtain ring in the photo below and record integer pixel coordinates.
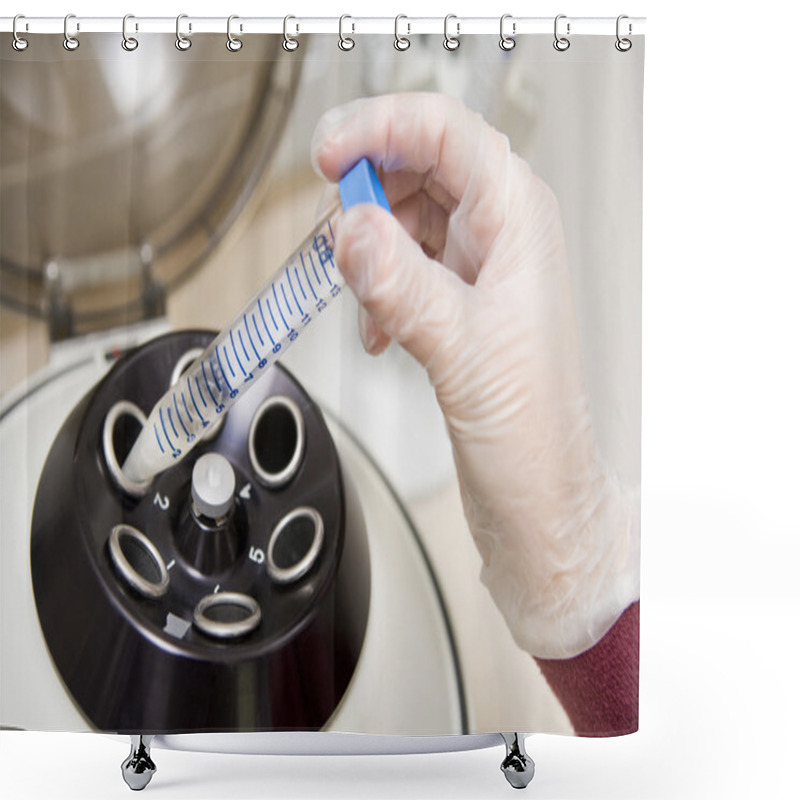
(401, 42)
(451, 42)
(506, 42)
(18, 43)
(129, 43)
(71, 43)
(290, 43)
(346, 42)
(182, 42)
(623, 44)
(233, 44)
(561, 43)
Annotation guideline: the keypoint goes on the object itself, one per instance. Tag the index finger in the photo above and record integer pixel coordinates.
(433, 135)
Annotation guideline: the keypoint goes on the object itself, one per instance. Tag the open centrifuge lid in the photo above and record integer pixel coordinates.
(120, 170)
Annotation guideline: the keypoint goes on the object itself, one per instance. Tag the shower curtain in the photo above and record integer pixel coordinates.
(432, 524)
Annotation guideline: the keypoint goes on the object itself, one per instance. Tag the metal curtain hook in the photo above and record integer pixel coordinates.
(346, 42)
(506, 42)
(451, 42)
(233, 44)
(181, 41)
(623, 44)
(129, 43)
(290, 43)
(401, 42)
(561, 43)
(70, 42)
(18, 43)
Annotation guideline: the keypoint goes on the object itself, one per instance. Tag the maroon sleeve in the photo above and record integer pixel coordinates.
(599, 689)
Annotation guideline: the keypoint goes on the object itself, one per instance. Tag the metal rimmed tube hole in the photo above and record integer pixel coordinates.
(227, 615)
(181, 365)
(122, 425)
(276, 441)
(294, 545)
(137, 561)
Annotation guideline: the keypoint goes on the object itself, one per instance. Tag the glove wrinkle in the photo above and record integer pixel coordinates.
(491, 318)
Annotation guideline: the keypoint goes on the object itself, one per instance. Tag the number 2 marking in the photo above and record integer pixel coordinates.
(161, 502)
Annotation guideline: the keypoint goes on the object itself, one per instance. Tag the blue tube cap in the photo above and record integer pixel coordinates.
(361, 185)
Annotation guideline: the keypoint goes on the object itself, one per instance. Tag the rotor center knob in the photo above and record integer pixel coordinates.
(213, 485)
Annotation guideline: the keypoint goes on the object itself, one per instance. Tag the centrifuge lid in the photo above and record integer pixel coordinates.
(119, 171)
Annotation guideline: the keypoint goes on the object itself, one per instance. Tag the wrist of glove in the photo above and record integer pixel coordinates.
(561, 570)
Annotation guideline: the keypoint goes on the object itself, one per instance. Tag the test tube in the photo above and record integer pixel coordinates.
(301, 290)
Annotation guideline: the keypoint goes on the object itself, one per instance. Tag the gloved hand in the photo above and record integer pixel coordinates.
(470, 276)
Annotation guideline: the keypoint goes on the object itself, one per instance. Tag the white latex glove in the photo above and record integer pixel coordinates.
(484, 304)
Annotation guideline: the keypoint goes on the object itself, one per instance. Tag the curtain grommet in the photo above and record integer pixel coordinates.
(623, 44)
(507, 42)
(346, 43)
(290, 43)
(183, 43)
(451, 43)
(71, 42)
(233, 44)
(561, 43)
(129, 43)
(17, 42)
(401, 43)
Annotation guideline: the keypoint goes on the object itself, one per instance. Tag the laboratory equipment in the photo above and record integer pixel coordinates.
(251, 597)
(262, 331)
(407, 643)
(182, 144)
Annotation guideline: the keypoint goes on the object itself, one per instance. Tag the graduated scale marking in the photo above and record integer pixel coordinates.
(257, 337)
(323, 251)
